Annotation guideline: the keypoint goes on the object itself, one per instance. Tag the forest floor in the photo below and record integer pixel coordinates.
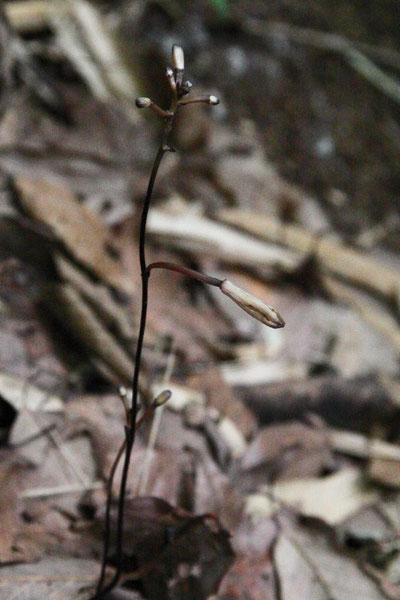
(273, 471)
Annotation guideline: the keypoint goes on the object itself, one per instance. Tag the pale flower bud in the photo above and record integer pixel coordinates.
(213, 100)
(162, 398)
(143, 102)
(253, 306)
(178, 58)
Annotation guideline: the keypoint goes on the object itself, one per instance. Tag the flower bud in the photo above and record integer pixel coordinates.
(213, 100)
(143, 102)
(178, 58)
(253, 306)
(162, 398)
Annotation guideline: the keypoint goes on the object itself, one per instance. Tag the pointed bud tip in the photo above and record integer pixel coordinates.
(143, 102)
(178, 57)
(253, 306)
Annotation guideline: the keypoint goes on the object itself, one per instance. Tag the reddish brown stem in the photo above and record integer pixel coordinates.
(188, 272)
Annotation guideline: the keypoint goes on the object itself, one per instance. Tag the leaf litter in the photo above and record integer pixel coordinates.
(275, 469)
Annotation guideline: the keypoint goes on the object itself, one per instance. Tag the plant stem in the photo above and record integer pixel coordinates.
(188, 272)
(130, 428)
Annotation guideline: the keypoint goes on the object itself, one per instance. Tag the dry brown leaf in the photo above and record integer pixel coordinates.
(272, 441)
(220, 396)
(385, 471)
(79, 229)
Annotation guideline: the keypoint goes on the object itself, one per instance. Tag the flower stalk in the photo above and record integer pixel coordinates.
(180, 88)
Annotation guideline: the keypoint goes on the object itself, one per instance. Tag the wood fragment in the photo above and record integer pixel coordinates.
(210, 238)
(341, 261)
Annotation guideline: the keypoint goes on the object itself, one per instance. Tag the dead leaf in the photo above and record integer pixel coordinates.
(332, 499)
(288, 450)
(72, 311)
(308, 568)
(79, 229)
(385, 471)
(25, 396)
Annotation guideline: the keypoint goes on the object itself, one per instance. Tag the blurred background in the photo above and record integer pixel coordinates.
(289, 188)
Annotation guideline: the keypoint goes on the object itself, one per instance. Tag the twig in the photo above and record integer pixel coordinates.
(61, 490)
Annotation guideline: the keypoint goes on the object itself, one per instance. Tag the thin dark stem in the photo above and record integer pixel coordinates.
(107, 517)
(188, 272)
(130, 429)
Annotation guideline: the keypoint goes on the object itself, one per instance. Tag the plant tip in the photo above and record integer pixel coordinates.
(178, 58)
(253, 306)
(143, 102)
(214, 100)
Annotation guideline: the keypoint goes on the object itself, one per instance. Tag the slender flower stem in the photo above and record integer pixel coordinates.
(130, 428)
(188, 272)
(179, 89)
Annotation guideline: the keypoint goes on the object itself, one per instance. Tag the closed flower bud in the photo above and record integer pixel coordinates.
(162, 398)
(253, 306)
(178, 59)
(213, 100)
(143, 102)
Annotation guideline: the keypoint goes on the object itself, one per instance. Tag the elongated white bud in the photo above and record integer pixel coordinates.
(178, 58)
(253, 306)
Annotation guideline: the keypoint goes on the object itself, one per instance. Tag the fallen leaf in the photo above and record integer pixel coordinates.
(83, 324)
(25, 396)
(332, 498)
(78, 228)
(290, 450)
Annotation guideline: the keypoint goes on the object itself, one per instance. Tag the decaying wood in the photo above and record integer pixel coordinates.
(333, 257)
(360, 403)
